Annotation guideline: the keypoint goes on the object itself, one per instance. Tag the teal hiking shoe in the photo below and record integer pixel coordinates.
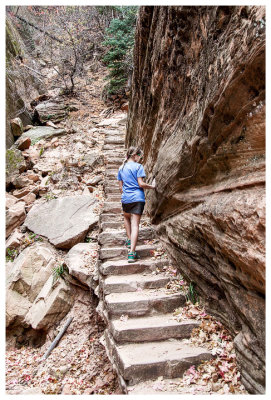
(133, 257)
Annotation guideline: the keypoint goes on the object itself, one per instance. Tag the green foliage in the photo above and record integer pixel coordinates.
(35, 237)
(59, 272)
(11, 254)
(120, 41)
(41, 151)
(192, 294)
(13, 159)
(49, 196)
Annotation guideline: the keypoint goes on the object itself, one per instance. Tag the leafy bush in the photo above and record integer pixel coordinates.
(120, 40)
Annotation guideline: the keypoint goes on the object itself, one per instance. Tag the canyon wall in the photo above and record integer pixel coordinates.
(21, 84)
(197, 109)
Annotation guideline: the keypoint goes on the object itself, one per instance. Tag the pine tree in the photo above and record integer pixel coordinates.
(120, 40)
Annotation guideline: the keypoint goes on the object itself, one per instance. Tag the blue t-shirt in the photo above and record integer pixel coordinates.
(131, 191)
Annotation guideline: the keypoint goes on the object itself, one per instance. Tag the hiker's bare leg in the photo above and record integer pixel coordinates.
(135, 219)
(127, 224)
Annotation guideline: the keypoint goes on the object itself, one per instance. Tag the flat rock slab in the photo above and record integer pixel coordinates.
(118, 237)
(64, 221)
(122, 267)
(122, 252)
(133, 282)
(42, 132)
(169, 358)
(145, 302)
(154, 327)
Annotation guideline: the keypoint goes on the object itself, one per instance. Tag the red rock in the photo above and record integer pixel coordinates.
(23, 143)
(20, 193)
(202, 129)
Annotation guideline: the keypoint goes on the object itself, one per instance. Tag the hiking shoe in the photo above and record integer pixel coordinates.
(132, 257)
(128, 243)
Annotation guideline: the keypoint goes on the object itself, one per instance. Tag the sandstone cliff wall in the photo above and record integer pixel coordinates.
(21, 85)
(198, 110)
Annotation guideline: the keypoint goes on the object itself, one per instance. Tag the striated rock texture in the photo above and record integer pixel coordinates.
(198, 111)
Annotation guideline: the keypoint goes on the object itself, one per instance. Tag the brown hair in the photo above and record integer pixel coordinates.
(132, 151)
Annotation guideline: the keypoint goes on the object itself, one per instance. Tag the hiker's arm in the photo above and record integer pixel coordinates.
(144, 185)
(120, 186)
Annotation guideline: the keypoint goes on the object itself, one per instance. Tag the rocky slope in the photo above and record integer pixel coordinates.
(198, 111)
(51, 262)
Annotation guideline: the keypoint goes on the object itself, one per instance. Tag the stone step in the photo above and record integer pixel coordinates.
(112, 207)
(122, 252)
(119, 217)
(133, 282)
(111, 174)
(120, 267)
(137, 362)
(111, 189)
(112, 146)
(118, 237)
(114, 161)
(114, 197)
(145, 302)
(111, 225)
(152, 328)
(111, 132)
(114, 140)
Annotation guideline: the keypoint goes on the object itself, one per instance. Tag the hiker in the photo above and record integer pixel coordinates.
(131, 184)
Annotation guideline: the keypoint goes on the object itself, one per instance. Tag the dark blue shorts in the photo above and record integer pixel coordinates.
(134, 208)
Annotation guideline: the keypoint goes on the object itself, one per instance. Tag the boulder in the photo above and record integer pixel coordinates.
(51, 305)
(80, 261)
(29, 198)
(94, 180)
(33, 177)
(14, 240)
(16, 127)
(64, 221)
(92, 160)
(42, 132)
(10, 200)
(20, 181)
(23, 143)
(21, 192)
(197, 109)
(15, 216)
(52, 111)
(17, 307)
(30, 270)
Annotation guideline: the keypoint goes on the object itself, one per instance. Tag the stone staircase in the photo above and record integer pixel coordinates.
(143, 340)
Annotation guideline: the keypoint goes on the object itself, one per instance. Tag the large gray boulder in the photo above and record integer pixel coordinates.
(51, 305)
(64, 221)
(25, 279)
(42, 132)
(81, 263)
(52, 111)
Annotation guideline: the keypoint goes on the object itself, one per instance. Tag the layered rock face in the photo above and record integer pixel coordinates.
(198, 111)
